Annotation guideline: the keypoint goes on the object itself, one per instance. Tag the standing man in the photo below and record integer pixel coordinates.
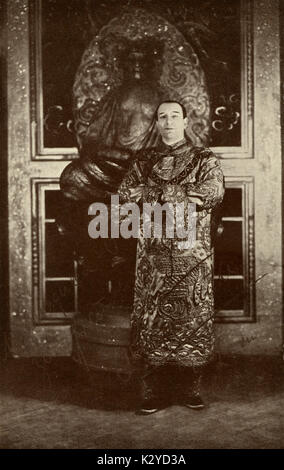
(173, 311)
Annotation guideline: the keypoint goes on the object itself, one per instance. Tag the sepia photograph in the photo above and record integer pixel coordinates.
(141, 267)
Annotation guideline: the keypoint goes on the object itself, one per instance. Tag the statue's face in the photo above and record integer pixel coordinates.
(170, 122)
(136, 110)
(135, 65)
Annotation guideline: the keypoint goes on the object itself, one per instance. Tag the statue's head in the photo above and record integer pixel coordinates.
(142, 60)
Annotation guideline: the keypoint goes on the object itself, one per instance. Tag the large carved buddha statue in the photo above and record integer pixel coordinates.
(123, 123)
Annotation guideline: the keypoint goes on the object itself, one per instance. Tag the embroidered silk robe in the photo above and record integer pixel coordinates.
(173, 311)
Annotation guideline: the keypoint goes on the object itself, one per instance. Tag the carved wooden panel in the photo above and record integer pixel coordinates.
(235, 254)
(54, 273)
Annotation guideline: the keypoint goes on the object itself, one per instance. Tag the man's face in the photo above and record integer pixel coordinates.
(171, 123)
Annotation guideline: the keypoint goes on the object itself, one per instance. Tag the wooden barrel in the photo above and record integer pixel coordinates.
(101, 339)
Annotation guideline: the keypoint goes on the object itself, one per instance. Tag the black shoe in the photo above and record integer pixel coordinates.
(148, 407)
(149, 393)
(195, 402)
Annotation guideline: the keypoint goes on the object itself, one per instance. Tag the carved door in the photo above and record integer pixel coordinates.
(45, 43)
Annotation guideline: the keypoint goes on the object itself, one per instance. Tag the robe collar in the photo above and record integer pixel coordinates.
(163, 147)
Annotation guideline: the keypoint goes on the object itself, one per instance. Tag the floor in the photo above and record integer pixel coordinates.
(51, 404)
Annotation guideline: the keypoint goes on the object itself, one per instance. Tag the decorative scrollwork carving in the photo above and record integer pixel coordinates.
(227, 115)
(54, 121)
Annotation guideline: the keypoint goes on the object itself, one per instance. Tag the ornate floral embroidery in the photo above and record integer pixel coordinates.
(172, 318)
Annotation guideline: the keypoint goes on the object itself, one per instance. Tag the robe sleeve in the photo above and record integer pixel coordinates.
(133, 183)
(208, 190)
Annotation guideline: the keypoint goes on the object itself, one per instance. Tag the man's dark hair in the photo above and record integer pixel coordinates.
(171, 101)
